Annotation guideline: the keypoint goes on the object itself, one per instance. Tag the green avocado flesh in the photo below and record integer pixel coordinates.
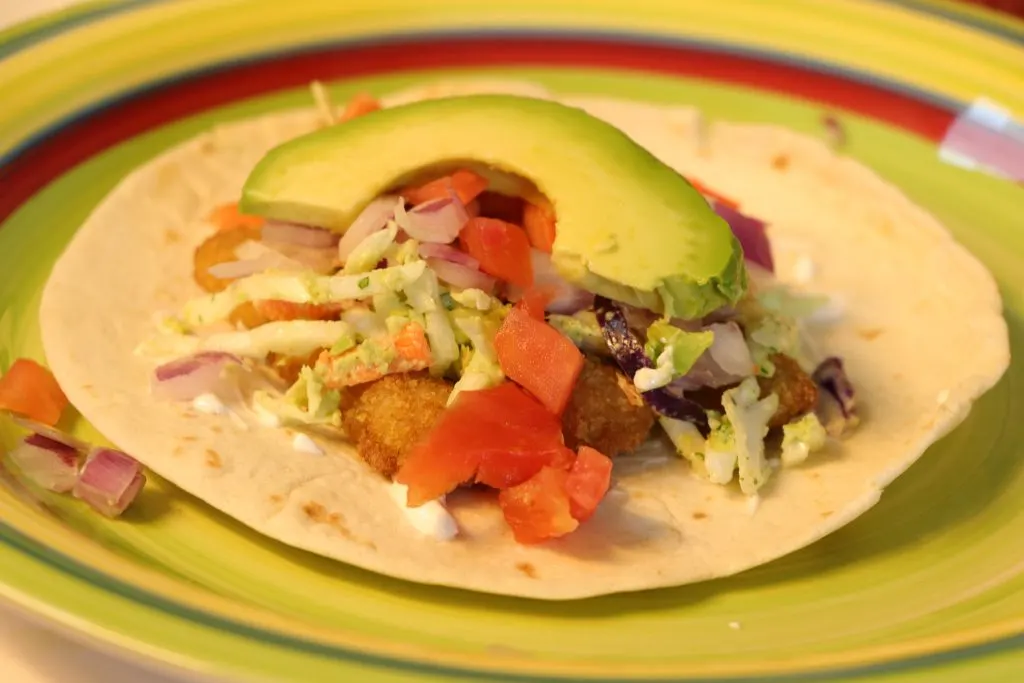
(628, 226)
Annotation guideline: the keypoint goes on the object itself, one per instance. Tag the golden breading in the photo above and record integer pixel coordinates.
(388, 417)
(796, 390)
(606, 412)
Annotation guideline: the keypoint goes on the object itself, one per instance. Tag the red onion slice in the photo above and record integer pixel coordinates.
(48, 463)
(231, 270)
(751, 235)
(50, 433)
(729, 350)
(186, 378)
(110, 481)
(438, 221)
(301, 235)
(448, 253)
(460, 276)
(568, 298)
(373, 218)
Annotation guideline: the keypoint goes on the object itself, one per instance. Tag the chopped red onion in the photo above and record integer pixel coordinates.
(568, 298)
(460, 276)
(438, 220)
(729, 350)
(751, 235)
(50, 433)
(110, 481)
(186, 378)
(448, 253)
(373, 218)
(322, 260)
(301, 235)
(46, 462)
(231, 270)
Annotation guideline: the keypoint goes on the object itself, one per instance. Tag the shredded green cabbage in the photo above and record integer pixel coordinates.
(801, 437)
(298, 288)
(290, 338)
(368, 253)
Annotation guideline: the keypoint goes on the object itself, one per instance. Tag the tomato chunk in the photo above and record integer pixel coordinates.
(539, 358)
(30, 390)
(361, 103)
(538, 509)
(707, 192)
(536, 300)
(499, 436)
(466, 184)
(228, 217)
(539, 222)
(502, 249)
(588, 481)
(501, 206)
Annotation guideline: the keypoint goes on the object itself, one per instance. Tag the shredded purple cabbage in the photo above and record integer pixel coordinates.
(628, 351)
(837, 404)
(751, 235)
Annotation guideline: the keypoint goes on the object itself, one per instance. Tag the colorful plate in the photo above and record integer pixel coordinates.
(929, 586)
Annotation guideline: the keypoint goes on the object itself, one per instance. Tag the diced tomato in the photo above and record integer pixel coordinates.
(30, 390)
(704, 190)
(499, 471)
(501, 206)
(502, 249)
(588, 481)
(539, 222)
(274, 310)
(538, 509)
(499, 436)
(539, 358)
(536, 300)
(466, 184)
(228, 217)
(361, 103)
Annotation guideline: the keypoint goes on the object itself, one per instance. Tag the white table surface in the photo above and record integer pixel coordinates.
(28, 652)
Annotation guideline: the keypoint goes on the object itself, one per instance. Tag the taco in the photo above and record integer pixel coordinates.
(520, 344)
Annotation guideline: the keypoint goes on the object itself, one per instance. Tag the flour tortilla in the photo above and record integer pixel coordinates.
(899, 276)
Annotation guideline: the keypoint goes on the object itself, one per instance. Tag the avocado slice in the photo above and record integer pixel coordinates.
(629, 227)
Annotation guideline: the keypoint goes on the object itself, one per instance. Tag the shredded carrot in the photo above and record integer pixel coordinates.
(412, 354)
(411, 343)
(274, 309)
(361, 103)
(228, 217)
(704, 190)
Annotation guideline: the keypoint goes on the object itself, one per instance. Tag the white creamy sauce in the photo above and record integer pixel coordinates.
(266, 418)
(209, 404)
(803, 270)
(303, 444)
(831, 312)
(753, 502)
(430, 519)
